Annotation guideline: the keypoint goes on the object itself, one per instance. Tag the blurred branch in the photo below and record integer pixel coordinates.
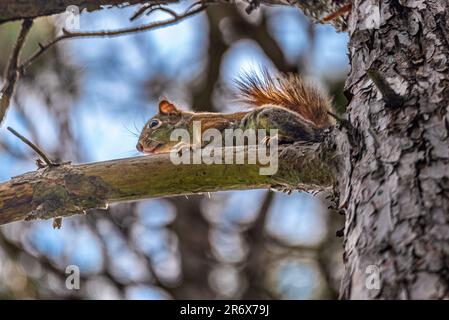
(253, 268)
(72, 189)
(197, 260)
(202, 93)
(175, 18)
(126, 237)
(16, 251)
(11, 72)
(260, 33)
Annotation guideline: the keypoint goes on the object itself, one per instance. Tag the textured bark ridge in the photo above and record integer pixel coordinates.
(395, 181)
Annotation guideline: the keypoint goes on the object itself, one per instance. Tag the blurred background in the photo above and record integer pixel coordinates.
(86, 100)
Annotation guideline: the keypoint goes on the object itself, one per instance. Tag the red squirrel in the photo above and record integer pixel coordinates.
(299, 112)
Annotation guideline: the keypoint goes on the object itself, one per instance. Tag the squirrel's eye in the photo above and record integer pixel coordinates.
(153, 123)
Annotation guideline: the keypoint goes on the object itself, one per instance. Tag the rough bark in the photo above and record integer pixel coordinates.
(395, 173)
(72, 189)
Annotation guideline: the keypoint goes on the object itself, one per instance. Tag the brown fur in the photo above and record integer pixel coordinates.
(218, 121)
(288, 91)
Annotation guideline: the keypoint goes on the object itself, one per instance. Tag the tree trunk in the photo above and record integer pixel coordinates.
(395, 185)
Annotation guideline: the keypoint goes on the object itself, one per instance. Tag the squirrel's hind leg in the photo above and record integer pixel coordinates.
(291, 126)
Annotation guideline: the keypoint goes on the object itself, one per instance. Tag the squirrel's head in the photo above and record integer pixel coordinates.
(155, 135)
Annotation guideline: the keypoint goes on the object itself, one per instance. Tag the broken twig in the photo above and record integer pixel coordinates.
(35, 148)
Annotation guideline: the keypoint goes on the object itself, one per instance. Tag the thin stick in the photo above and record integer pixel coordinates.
(112, 33)
(36, 149)
(145, 7)
(11, 73)
(140, 11)
(337, 14)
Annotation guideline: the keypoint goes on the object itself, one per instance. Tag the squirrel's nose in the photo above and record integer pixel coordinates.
(139, 146)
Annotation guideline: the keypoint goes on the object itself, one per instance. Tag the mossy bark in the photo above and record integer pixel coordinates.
(72, 189)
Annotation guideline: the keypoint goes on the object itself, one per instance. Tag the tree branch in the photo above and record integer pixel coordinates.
(72, 189)
(11, 10)
(35, 148)
(11, 72)
(175, 18)
(13, 69)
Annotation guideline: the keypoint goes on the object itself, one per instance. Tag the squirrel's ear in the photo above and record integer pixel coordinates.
(168, 108)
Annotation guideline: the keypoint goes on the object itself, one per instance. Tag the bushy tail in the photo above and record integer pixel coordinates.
(288, 91)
